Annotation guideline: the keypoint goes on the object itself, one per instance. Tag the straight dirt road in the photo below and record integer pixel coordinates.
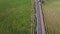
(40, 25)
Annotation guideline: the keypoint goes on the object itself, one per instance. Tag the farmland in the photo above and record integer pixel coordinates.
(51, 10)
(15, 16)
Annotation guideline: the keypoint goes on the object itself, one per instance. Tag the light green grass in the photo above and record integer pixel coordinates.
(15, 16)
(51, 12)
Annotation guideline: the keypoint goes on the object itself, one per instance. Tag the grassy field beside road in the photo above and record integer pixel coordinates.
(15, 16)
(51, 12)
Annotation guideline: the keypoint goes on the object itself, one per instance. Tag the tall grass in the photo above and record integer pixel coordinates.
(51, 12)
(15, 16)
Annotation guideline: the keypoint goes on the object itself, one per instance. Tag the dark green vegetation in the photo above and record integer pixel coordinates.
(15, 16)
(51, 10)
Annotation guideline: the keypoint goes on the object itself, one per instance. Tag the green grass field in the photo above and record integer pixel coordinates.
(51, 12)
(15, 16)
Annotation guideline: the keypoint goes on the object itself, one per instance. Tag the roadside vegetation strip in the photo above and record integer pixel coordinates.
(15, 16)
